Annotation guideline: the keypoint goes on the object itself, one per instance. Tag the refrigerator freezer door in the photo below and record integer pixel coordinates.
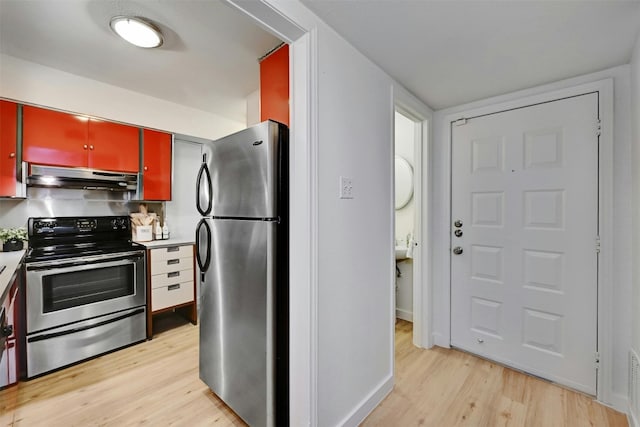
(237, 339)
(244, 172)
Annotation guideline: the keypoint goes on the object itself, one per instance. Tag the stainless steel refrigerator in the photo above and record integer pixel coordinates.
(242, 252)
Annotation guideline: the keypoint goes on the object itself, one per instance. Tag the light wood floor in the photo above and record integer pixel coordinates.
(156, 383)
(440, 387)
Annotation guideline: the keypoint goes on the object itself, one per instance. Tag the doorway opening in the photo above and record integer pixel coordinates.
(404, 164)
(409, 138)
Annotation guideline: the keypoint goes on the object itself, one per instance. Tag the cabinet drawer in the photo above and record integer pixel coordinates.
(165, 279)
(168, 296)
(171, 252)
(170, 265)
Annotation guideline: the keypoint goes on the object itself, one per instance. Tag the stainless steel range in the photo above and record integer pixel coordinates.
(85, 290)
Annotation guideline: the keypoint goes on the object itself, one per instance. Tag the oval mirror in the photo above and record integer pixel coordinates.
(404, 182)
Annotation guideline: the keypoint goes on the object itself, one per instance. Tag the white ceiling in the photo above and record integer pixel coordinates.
(453, 52)
(445, 52)
(208, 60)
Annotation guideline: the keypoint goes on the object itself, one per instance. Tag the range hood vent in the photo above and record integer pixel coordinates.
(85, 179)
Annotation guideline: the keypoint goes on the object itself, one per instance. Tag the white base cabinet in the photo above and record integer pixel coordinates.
(171, 282)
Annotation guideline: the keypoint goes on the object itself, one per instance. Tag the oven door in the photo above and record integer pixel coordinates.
(65, 291)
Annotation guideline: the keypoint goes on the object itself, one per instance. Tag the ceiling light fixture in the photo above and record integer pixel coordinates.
(137, 31)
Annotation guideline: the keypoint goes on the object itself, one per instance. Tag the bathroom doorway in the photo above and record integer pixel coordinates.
(410, 133)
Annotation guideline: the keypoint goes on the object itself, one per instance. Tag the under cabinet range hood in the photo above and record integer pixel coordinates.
(85, 179)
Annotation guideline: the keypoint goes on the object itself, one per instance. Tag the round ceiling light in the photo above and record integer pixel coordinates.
(137, 31)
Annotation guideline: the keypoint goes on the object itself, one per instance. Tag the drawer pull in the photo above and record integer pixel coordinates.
(173, 249)
(173, 274)
(173, 287)
(173, 261)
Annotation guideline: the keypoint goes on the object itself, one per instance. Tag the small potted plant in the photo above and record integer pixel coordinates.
(13, 238)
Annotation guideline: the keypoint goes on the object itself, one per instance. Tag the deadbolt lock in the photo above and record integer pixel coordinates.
(457, 223)
(457, 250)
(458, 233)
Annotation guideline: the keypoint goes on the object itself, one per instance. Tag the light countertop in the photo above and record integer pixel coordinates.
(169, 242)
(12, 261)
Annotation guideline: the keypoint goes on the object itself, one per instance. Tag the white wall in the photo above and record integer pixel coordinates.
(405, 219)
(635, 114)
(355, 337)
(620, 331)
(36, 84)
(253, 108)
(345, 131)
(181, 212)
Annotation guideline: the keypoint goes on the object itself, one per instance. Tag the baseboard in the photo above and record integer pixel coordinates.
(619, 402)
(633, 419)
(440, 341)
(404, 315)
(367, 405)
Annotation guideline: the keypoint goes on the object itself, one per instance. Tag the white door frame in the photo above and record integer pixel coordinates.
(407, 105)
(292, 23)
(605, 220)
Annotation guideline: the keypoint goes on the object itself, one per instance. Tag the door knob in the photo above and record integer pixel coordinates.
(458, 233)
(6, 331)
(457, 223)
(457, 250)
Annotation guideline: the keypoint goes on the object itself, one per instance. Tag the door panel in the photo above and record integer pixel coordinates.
(8, 146)
(54, 138)
(237, 341)
(244, 172)
(113, 146)
(274, 86)
(524, 288)
(157, 165)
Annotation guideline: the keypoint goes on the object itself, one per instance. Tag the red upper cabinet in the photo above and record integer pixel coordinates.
(156, 174)
(274, 86)
(55, 138)
(113, 146)
(8, 146)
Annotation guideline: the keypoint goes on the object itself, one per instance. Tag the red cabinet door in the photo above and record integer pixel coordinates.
(156, 173)
(113, 146)
(8, 145)
(274, 86)
(54, 138)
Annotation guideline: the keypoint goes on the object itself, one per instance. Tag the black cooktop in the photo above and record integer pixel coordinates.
(65, 237)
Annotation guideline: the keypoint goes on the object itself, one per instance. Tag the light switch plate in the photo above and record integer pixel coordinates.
(346, 187)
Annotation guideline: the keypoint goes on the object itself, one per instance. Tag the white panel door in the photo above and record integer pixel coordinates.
(525, 194)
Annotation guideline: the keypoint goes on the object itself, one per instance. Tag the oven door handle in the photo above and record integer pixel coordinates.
(61, 266)
(84, 328)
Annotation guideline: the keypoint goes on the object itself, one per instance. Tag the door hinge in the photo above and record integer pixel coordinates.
(597, 244)
(597, 360)
(460, 122)
(598, 127)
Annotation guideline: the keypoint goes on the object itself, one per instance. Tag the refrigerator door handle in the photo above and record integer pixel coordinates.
(204, 173)
(204, 265)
